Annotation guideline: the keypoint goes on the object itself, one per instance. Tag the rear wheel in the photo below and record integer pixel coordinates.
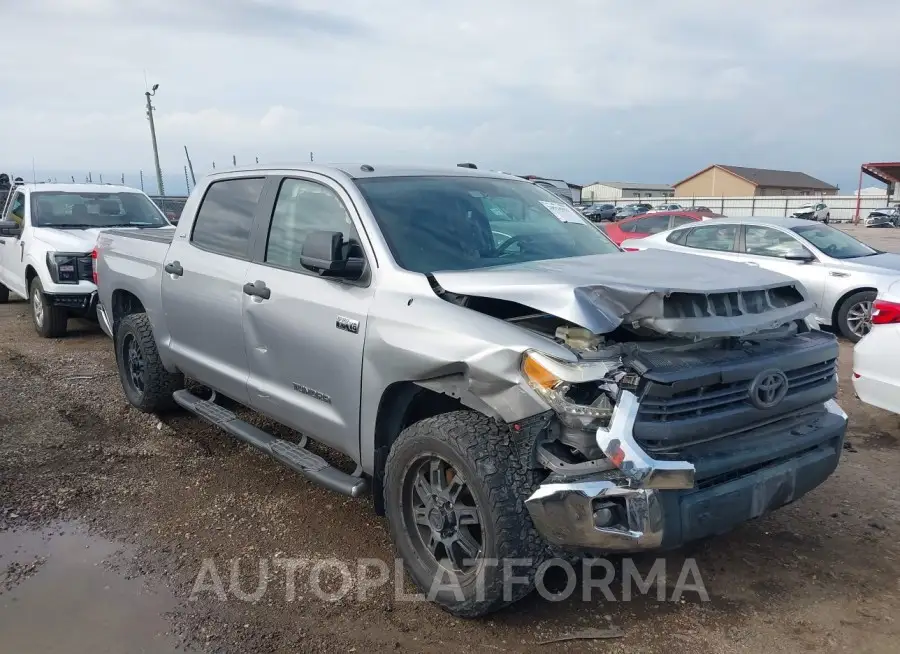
(146, 382)
(49, 321)
(827, 218)
(855, 315)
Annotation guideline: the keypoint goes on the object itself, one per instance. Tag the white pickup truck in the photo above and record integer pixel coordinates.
(47, 233)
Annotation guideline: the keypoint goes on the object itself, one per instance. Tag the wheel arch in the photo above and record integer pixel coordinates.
(402, 404)
(30, 273)
(124, 303)
(840, 301)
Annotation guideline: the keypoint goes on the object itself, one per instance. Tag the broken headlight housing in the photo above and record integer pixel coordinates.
(582, 394)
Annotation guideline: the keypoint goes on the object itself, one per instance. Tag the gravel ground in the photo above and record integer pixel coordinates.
(820, 575)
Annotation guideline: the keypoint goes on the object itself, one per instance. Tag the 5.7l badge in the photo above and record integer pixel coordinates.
(347, 324)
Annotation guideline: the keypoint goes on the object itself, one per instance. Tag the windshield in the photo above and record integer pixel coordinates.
(85, 210)
(834, 242)
(461, 223)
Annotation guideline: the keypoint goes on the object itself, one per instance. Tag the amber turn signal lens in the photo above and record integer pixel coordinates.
(538, 374)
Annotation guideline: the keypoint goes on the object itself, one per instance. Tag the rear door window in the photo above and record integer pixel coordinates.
(225, 219)
(712, 237)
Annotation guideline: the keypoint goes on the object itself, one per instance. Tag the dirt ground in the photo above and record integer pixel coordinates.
(107, 515)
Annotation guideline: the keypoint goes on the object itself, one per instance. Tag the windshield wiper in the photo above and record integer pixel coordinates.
(66, 226)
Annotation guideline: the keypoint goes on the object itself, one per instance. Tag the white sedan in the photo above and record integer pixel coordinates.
(842, 275)
(876, 358)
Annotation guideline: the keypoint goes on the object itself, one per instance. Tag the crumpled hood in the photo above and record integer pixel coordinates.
(68, 240)
(669, 292)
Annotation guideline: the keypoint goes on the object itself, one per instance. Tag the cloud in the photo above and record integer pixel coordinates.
(585, 89)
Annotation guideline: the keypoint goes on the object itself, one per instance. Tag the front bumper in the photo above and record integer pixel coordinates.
(656, 505)
(82, 304)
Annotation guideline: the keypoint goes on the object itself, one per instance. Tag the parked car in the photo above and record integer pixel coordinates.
(47, 233)
(667, 207)
(629, 210)
(814, 211)
(502, 399)
(886, 217)
(702, 209)
(876, 358)
(841, 273)
(600, 211)
(641, 226)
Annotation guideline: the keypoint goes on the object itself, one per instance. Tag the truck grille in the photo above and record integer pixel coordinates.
(738, 303)
(721, 397)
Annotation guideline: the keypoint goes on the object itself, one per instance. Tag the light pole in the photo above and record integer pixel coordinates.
(159, 181)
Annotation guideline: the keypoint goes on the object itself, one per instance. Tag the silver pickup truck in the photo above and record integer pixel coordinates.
(510, 385)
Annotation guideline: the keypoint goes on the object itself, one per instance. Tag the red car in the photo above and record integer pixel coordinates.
(650, 223)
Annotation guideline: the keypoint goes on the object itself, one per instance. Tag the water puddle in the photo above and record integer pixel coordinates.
(57, 595)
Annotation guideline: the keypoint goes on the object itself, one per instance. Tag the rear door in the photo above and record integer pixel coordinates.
(766, 247)
(203, 298)
(305, 340)
(12, 248)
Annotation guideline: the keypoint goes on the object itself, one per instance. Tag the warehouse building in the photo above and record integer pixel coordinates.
(615, 190)
(736, 181)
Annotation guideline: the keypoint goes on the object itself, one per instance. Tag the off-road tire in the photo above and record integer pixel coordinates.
(159, 383)
(500, 478)
(54, 320)
(4, 294)
(842, 324)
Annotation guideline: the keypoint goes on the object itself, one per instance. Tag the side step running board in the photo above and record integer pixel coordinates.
(295, 457)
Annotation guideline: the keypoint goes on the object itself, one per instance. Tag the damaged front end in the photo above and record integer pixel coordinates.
(658, 434)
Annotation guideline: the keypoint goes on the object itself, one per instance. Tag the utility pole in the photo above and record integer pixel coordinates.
(234, 160)
(310, 157)
(159, 181)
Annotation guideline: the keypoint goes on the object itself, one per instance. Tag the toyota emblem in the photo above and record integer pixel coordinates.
(768, 389)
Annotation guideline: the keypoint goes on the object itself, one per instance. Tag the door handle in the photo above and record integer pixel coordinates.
(174, 268)
(2, 241)
(258, 289)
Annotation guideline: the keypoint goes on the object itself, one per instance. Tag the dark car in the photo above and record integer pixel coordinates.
(599, 212)
(629, 210)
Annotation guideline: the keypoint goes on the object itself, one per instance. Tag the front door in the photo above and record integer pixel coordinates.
(766, 247)
(12, 248)
(202, 287)
(305, 340)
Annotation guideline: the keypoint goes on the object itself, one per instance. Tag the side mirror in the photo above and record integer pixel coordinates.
(10, 228)
(800, 254)
(327, 254)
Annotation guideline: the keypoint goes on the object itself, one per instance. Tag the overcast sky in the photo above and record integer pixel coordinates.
(647, 91)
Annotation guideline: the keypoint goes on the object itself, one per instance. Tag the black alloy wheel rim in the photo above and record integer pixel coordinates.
(441, 515)
(134, 363)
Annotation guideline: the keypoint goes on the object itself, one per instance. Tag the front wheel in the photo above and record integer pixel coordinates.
(49, 321)
(855, 315)
(4, 294)
(147, 384)
(827, 218)
(454, 493)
